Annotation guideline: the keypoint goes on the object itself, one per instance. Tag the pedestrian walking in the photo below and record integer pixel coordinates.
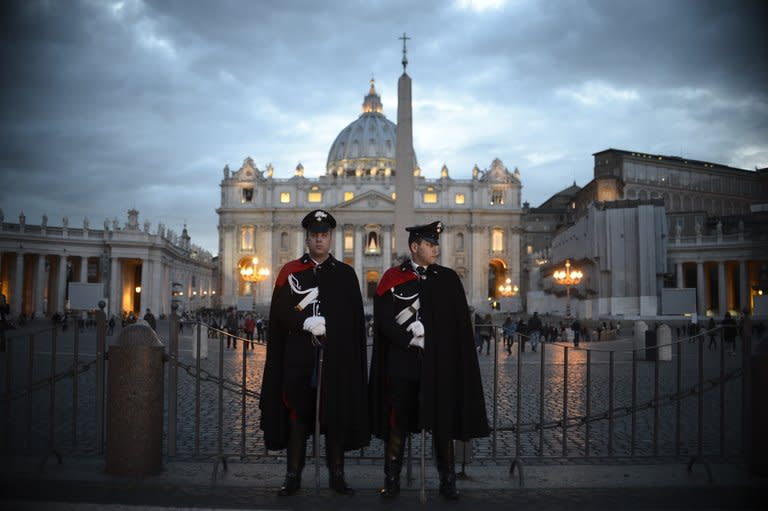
(534, 330)
(425, 375)
(230, 325)
(576, 327)
(316, 353)
(712, 332)
(509, 327)
(150, 319)
(249, 325)
(729, 332)
(484, 330)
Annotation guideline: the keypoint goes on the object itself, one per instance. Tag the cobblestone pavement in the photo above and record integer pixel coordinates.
(673, 431)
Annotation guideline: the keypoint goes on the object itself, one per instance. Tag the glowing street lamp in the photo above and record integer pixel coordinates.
(568, 278)
(507, 289)
(251, 272)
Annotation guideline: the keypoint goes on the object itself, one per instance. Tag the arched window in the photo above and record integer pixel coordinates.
(460, 242)
(284, 241)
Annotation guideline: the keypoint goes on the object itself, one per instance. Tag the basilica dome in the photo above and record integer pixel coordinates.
(366, 147)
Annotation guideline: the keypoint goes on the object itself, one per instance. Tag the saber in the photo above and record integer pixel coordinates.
(423, 490)
(319, 345)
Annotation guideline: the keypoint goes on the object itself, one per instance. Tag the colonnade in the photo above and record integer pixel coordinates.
(35, 284)
(721, 285)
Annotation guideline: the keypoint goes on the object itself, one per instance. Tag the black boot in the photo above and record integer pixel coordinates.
(295, 459)
(445, 466)
(393, 461)
(334, 452)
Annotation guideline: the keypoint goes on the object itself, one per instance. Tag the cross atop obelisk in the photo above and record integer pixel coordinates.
(405, 51)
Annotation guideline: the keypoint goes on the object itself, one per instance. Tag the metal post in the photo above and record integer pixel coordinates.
(52, 400)
(7, 428)
(633, 432)
(243, 390)
(722, 398)
(101, 351)
(678, 389)
(656, 403)
(495, 395)
(610, 403)
(75, 382)
(173, 378)
(541, 404)
(588, 410)
(197, 403)
(30, 376)
(565, 399)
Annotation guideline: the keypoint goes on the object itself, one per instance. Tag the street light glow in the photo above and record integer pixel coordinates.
(568, 277)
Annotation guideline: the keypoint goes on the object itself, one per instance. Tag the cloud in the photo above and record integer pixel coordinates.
(595, 93)
(142, 103)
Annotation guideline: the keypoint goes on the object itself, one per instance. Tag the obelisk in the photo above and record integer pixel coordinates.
(404, 161)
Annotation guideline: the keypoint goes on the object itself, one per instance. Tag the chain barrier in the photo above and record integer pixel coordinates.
(207, 376)
(236, 388)
(663, 401)
(43, 383)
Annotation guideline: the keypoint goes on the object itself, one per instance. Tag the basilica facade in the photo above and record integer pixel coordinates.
(260, 216)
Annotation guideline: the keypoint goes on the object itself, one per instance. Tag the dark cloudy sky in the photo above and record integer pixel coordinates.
(108, 105)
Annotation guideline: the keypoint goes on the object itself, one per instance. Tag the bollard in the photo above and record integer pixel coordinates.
(135, 403)
(639, 341)
(664, 343)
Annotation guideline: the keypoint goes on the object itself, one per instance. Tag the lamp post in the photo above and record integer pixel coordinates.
(568, 277)
(508, 290)
(251, 272)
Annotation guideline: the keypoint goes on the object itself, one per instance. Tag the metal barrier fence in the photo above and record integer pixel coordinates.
(559, 402)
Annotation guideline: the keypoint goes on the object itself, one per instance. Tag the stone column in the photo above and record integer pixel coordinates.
(40, 281)
(61, 284)
(228, 266)
(446, 248)
(115, 287)
(743, 286)
(722, 291)
(700, 289)
(338, 242)
(144, 298)
(680, 276)
(153, 291)
(359, 242)
(300, 243)
(386, 247)
(83, 269)
(165, 289)
(17, 286)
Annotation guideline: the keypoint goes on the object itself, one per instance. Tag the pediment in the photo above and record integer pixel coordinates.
(370, 201)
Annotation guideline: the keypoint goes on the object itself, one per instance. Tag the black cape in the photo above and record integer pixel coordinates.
(291, 357)
(453, 403)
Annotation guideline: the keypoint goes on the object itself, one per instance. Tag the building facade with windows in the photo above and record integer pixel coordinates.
(712, 237)
(260, 216)
(138, 269)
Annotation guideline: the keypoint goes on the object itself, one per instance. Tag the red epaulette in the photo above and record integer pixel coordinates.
(393, 277)
(294, 266)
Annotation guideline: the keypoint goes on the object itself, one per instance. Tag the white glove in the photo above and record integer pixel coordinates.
(417, 329)
(315, 325)
(417, 342)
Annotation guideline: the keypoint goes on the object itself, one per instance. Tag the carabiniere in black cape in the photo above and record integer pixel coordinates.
(291, 356)
(452, 393)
